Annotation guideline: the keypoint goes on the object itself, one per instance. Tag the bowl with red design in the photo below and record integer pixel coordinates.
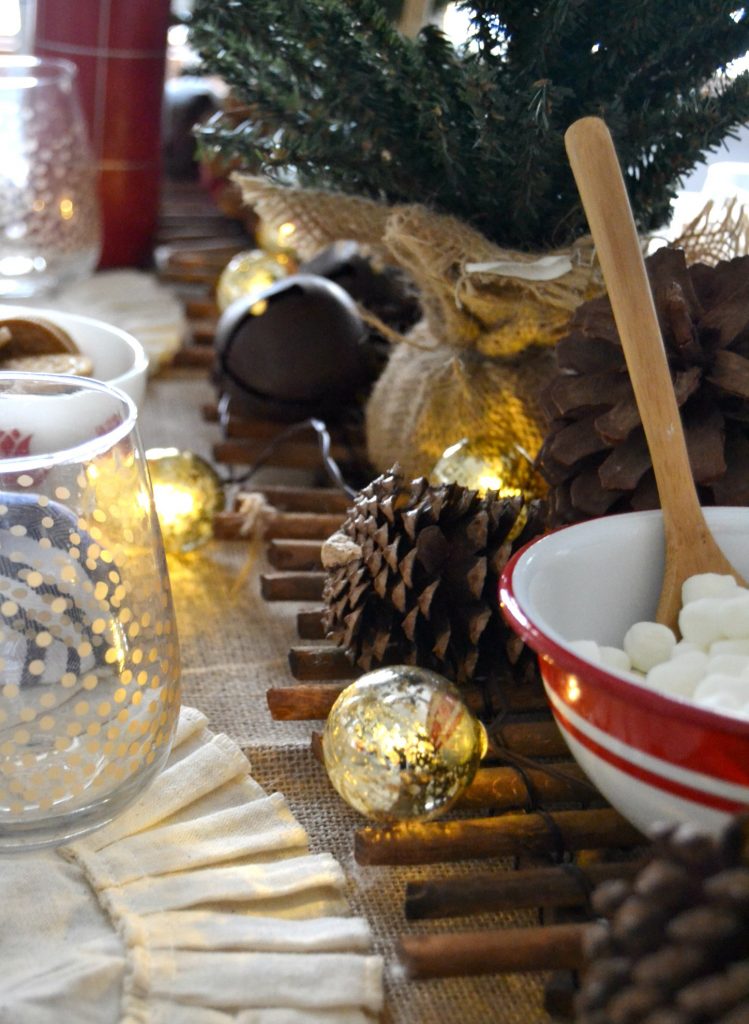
(655, 755)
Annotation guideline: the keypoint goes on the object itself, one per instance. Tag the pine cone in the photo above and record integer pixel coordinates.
(594, 456)
(413, 574)
(673, 945)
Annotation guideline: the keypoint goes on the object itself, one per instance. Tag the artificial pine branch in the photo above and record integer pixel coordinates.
(333, 96)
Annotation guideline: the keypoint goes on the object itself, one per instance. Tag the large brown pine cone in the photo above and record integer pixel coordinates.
(413, 574)
(594, 455)
(672, 946)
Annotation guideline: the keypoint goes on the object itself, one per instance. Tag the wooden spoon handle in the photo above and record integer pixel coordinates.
(690, 547)
(599, 180)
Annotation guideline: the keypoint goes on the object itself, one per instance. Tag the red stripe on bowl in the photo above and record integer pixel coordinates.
(697, 796)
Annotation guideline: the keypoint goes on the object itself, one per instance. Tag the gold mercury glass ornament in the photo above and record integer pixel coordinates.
(250, 273)
(400, 745)
(187, 493)
(274, 238)
(471, 464)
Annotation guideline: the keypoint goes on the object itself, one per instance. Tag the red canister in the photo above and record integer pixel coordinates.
(120, 51)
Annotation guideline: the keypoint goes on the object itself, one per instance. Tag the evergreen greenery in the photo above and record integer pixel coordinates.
(334, 97)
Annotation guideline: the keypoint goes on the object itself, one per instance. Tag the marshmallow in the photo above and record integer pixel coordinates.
(615, 658)
(679, 676)
(729, 647)
(648, 644)
(721, 701)
(687, 647)
(707, 584)
(700, 621)
(587, 649)
(727, 664)
(735, 617)
(733, 688)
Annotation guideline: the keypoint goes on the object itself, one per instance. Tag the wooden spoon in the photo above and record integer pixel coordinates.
(690, 547)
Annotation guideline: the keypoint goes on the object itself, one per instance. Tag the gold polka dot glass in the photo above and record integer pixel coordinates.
(89, 656)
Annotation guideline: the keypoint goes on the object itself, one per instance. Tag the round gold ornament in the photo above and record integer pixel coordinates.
(400, 745)
(249, 273)
(483, 467)
(187, 493)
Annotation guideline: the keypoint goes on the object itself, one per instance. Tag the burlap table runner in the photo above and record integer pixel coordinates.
(235, 646)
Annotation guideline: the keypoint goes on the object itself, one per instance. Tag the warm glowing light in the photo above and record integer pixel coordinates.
(187, 493)
(173, 502)
(467, 463)
(250, 273)
(67, 208)
(278, 238)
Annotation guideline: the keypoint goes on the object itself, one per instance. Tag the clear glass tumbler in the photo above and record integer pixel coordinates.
(89, 655)
(50, 230)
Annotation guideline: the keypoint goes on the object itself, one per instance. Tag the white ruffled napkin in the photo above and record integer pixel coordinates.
(223, 913)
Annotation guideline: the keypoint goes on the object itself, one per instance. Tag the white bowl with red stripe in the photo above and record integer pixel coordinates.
(654, 757)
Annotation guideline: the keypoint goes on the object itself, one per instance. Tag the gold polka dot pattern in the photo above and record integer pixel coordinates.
(89, 657)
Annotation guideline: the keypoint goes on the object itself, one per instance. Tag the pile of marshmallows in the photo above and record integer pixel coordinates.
(709, 665)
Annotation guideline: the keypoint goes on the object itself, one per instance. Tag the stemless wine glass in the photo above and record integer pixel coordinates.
(49, 214)
(89, 656)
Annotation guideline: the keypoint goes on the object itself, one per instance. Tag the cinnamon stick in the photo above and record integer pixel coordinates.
(547, 739)
(505, 836)
(284, 553)
(322, 662)
(561, 886)
(202, 309)
(202, 331)
(507, 950)
(292, 586)
(292, 525)
(306, 499)
(194, 355)
(508, 788)
(304, 525)
(309, 624)
(291, 453)
(302, 702)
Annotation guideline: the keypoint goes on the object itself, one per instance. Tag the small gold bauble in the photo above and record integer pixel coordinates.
(277, 238)
(187, 493)
(400, 745)
(250, 273)
(471, 465)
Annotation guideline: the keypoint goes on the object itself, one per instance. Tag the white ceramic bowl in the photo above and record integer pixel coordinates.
(118, 358)
(655, 757)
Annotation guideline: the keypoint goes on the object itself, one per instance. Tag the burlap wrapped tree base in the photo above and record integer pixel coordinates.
(476, 364)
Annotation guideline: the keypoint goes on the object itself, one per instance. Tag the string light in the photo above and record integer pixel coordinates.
(187, 493)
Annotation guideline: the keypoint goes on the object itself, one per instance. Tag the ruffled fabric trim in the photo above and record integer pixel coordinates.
(224, 913)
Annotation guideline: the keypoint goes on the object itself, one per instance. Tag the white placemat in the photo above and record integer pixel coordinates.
(200, 904)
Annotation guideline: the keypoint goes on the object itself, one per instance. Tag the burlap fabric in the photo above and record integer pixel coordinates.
(716, 233)
(476, 364)
(234, 646)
